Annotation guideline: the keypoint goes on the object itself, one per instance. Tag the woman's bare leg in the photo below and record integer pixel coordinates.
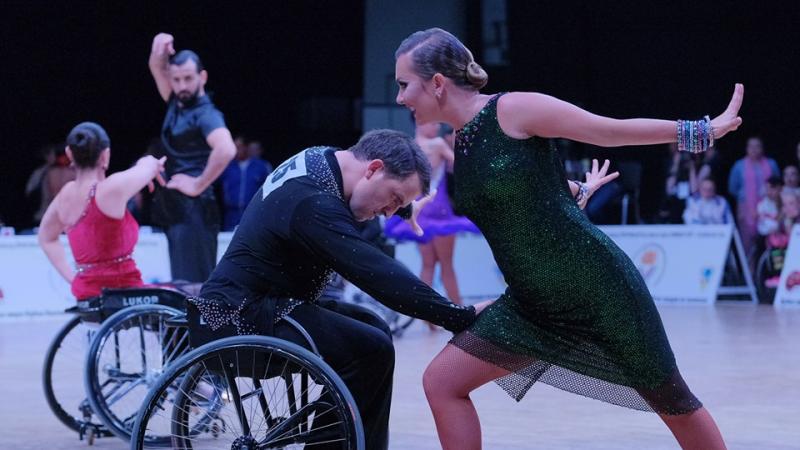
(428, 255)
(443, 247)
(695, 430)
(448, 380)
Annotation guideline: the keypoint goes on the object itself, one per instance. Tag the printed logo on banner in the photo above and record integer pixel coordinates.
(705, 278)
(651, 260)
(793, 280)
(2, 297)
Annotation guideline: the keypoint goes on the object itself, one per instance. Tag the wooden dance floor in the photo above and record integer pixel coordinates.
(742, 361)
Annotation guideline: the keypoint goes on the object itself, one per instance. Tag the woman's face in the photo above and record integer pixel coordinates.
(791, 177)
(790, 205)
(755, 149)
(774, 191)
(707, 189)
(415, 93)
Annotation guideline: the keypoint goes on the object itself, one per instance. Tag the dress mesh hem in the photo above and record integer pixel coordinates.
(672, 397)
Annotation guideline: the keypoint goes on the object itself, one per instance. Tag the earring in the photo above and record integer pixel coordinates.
(438, 95)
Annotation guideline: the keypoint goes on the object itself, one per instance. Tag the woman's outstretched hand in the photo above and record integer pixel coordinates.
(598, 176)
(729, 120)
(416, 207)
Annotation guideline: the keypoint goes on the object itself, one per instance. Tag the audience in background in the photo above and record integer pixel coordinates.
(706, 207)
(36, 190)
(746, 184)
(791, 180)
(681, 183)
(241, 179)
(769, 208)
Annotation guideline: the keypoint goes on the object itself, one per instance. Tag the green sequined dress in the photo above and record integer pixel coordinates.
(576, 314)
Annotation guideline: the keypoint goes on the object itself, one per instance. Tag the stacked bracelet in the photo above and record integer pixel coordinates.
(695, 136)
(582, 196)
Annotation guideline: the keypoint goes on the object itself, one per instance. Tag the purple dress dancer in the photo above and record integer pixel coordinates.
(436, 218)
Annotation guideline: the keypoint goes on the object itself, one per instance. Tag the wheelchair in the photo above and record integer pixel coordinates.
(249, 392)
(113, 343)
(768, 269)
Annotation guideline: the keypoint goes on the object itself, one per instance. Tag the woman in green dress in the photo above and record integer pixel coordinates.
(588, 326)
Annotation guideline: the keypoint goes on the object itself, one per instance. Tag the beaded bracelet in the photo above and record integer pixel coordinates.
(695, 136)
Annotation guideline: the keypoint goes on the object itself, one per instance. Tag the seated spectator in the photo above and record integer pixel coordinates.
(706, 207)
(791, 180)
(241, 179)
(769, 207)
(92, 211)
(790, 212)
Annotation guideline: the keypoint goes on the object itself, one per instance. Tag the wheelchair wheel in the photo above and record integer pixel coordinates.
(249, 392)
(129, 352)
(61, 377)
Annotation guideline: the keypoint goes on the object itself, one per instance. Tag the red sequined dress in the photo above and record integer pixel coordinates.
(103, 247)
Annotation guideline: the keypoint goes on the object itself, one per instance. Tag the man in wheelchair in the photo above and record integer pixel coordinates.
(298, 229)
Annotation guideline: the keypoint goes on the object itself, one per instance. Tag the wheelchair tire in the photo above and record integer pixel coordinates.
(126, 356)
(69, 335)
(225, 376)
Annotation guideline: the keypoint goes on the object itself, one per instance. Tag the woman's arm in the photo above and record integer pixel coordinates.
(49, 231)
(113, 193)
(523, 115)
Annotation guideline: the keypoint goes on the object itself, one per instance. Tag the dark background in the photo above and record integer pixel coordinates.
(291, 73)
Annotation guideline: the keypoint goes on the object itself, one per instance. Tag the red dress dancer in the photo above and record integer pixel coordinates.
(103, 247)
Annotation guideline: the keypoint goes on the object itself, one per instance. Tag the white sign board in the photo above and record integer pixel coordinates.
(789, 288)
(679, 263)
(30, 285)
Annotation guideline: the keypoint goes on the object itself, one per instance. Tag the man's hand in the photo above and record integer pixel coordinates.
(185, 184)
(163, 46)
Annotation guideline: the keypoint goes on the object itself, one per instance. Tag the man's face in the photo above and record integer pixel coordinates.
(241, 149)
(255, 150)
(186, 82)
(378, 193)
